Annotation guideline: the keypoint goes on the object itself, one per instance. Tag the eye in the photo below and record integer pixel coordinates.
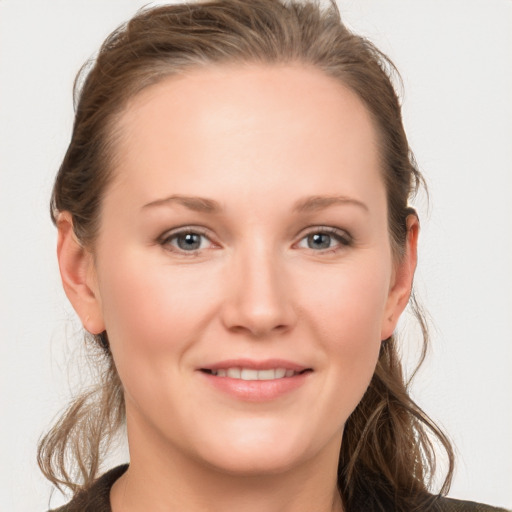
(185, 241)
(324, 239)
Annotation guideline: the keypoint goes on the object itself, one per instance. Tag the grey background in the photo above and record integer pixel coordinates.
(455, 59)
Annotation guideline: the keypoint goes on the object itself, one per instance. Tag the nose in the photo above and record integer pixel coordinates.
(259, 296)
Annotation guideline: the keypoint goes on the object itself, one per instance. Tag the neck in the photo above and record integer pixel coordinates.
(164, 479)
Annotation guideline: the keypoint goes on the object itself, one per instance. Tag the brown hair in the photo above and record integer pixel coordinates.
(387, 452)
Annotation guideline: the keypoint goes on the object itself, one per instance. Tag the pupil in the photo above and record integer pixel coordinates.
(319, 241)
(189, 241)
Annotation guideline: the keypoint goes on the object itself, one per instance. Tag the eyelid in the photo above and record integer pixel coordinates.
(344, 237)
(165, 237)
(183, 229)
(327, 229)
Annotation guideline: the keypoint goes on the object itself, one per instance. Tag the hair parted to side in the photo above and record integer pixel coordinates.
(388, 443)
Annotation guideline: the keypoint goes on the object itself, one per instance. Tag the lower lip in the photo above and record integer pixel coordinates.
(256, 390)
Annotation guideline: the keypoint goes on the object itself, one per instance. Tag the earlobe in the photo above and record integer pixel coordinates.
(78, 276)
(403, 278)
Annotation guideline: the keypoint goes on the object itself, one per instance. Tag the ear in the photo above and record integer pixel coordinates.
(78, 276)
(403, 275)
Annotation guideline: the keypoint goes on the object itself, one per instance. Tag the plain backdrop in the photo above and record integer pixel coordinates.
(455, 57)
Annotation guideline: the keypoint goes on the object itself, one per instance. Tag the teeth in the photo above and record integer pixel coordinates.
(266, 374)
(234, 373)
(252, 374)
(247, 374)
(280, 373)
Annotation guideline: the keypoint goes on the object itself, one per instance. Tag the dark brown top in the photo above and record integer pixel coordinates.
(97, 498)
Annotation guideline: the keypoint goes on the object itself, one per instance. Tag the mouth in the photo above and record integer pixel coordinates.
(253, 374)
(249, 380)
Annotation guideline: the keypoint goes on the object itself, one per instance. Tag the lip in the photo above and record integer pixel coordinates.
(256, 390)
(265, 364)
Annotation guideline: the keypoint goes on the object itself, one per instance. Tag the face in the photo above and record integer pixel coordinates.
(243, 268)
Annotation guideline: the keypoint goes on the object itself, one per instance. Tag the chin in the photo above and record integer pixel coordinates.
(255, 452)
(254, 464)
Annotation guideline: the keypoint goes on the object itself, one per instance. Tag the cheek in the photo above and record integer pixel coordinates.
(348, 303)
(347, 317)
(149, 310)
(154, 318)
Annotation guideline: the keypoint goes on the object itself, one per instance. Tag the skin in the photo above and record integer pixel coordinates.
(258, 140)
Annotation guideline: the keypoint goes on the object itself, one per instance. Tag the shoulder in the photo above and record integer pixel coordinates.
(453, 505)
(97, 497)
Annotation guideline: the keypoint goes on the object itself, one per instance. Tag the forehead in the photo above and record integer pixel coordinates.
(248, 126)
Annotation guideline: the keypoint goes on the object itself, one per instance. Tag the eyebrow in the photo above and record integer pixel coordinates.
(304, 205)
(198, 204)
(314, 203)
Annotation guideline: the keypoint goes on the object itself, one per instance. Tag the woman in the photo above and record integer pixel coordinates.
(234, 231)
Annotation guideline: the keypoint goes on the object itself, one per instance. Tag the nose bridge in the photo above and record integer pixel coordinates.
(259, 301)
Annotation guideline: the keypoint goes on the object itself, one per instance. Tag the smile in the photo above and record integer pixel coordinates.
(256, 381)
(253, 374)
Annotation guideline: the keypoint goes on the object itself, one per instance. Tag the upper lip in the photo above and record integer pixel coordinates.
(266, 364)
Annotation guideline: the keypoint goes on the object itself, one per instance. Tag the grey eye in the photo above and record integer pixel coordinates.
(185, 241)
(325, 238)
(319, 241)
(188, 241)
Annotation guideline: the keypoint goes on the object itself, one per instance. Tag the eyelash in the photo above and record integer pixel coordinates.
(343, 239)
(166, 238)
